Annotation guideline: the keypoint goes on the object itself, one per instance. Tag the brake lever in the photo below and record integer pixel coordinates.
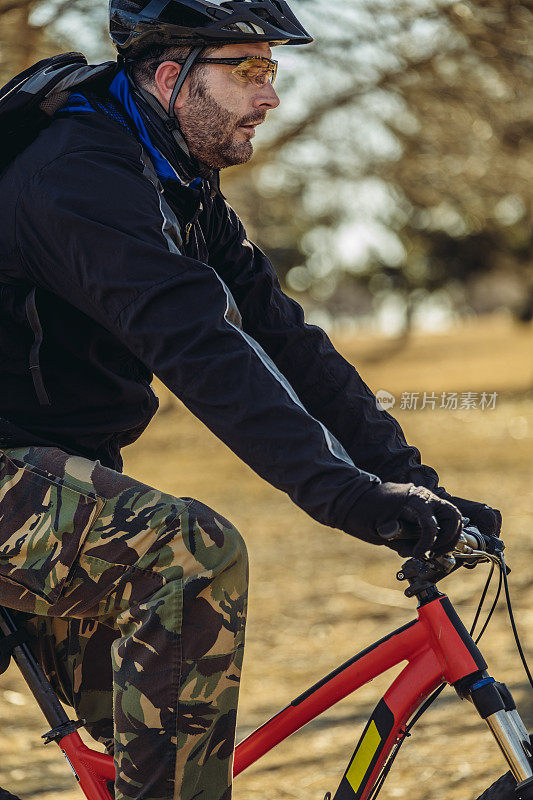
(471, 538)
(471, 541)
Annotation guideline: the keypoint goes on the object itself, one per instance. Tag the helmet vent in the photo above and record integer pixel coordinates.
(245, 27)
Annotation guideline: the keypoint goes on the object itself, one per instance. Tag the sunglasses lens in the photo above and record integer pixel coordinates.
(256, 70)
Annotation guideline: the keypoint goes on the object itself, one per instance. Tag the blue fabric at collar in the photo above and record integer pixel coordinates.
(120, 89)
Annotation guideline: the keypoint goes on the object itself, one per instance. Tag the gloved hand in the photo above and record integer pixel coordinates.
(435, 523)
(486, 519)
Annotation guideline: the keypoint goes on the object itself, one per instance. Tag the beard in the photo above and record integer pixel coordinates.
(210, 130)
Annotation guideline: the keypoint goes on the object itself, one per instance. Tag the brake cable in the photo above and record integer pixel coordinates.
(482, 601)
(511, 618)
(494, 603)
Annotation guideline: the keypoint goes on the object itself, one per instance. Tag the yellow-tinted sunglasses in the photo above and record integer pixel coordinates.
(258, 70)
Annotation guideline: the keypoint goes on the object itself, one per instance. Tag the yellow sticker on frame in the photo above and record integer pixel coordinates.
(363, 757)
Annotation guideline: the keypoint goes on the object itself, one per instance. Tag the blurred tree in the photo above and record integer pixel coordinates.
(34, 29)
(467, 164)
(316, 175)
(406, 162)
(20, 41)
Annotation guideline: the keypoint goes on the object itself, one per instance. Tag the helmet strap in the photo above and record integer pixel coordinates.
(169, 116)
(185, 70)
(162, 112)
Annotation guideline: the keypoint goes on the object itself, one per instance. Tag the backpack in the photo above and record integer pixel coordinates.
(29, 100)
(27, 104)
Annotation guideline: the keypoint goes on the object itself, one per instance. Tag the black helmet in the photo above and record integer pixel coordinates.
(135, 24)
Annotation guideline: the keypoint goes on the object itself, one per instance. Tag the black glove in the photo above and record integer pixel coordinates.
(435, 523)
(487, 520)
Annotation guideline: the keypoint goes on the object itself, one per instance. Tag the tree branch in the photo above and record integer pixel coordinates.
(67, 5)
(13, 5)
(332, 103)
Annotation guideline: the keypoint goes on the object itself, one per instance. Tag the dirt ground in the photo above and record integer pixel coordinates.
(317, 597)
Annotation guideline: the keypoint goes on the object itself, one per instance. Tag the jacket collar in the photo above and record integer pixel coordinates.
(169, 153)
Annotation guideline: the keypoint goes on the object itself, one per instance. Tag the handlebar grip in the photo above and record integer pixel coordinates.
(390, 530)
(471, 537)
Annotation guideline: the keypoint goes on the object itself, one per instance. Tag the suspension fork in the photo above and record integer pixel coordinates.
(495, 704)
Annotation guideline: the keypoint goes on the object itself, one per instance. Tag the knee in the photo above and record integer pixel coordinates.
(216, 543)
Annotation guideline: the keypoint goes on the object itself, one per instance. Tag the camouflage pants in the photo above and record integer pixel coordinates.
(136, 604)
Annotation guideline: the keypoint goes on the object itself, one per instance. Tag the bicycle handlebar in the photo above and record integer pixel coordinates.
(471, 549)
(472, 543)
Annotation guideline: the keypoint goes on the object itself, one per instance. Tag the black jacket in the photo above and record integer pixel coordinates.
(133, 280)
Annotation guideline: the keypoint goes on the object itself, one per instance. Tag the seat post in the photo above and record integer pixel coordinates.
(33, 673)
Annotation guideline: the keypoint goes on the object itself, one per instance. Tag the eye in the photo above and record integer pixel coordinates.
(255, 70)
(258, 75)
(241, 73)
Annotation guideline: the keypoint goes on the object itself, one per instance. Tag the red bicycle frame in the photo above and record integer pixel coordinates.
(437, 649)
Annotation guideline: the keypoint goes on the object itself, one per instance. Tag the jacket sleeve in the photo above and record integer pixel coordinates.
(94, 230)
(329, 387)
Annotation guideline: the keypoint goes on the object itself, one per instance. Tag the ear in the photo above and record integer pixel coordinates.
(165, 79)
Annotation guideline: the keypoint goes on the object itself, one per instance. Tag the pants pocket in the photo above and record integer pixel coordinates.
(43, 524)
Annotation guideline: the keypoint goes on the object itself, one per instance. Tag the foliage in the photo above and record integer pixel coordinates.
(34, 29)
(408, 156)
(466, 166)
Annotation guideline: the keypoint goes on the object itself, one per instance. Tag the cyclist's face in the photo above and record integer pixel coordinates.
(218, 113)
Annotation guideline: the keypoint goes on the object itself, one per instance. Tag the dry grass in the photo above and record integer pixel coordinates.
(312, 602)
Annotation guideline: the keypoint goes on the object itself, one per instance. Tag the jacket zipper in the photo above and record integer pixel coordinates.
(189, 225)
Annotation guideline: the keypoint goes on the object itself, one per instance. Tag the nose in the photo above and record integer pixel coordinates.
(267, 98)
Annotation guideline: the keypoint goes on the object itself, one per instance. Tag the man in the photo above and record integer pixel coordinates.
(120, 259)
